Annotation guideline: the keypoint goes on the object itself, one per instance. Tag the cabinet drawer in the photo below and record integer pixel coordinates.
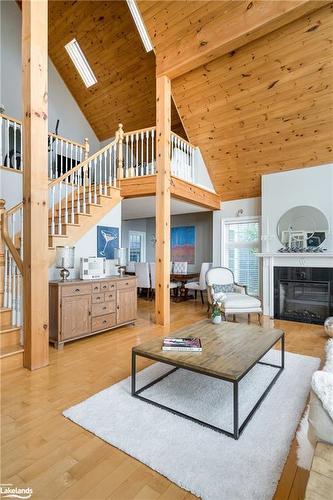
(104, 286)
(103, 322)
(109, 296)
(126, 284)
(112, 286)
(76, 290)
(104, 308)
(96, 287)
(97, 298)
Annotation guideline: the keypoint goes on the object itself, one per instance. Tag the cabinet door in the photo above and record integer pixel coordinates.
(126, 305)
(75, 316)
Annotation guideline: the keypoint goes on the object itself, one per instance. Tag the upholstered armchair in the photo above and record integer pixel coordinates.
(233, 297)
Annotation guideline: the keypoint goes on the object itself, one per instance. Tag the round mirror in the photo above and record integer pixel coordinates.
(302, 228)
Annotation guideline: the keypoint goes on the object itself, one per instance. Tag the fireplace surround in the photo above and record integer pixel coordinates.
(303, 294)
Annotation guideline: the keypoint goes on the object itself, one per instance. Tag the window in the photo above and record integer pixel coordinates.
(137, 246)
(241, 240)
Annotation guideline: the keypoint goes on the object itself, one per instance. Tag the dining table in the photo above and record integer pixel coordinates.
(184, 278)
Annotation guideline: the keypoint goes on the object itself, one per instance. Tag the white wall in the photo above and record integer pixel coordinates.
(11, 185)
(87, 245)
(250, 207)
(62, 105)
(281, 191)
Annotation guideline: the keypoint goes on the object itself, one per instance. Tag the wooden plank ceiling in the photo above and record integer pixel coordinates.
(125, 91)
(264, 107)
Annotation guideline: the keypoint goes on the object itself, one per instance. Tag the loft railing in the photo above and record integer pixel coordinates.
(182, 154)
(63, 154)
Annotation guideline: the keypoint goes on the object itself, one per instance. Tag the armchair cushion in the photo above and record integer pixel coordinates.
(229, 288)
(240, 301)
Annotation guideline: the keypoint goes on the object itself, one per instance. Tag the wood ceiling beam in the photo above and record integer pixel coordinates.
(215, 38)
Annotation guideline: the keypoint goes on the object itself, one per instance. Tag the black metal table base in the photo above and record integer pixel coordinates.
(237, 429)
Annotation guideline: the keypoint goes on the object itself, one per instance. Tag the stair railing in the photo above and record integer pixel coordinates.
(70, 193)
(63, 154)
(182, 154)
(12, 250)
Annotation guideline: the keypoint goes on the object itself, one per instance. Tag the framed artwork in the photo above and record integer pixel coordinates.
(107, 241)
(183, 244)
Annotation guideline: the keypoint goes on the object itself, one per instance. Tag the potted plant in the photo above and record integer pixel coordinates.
(216, 312)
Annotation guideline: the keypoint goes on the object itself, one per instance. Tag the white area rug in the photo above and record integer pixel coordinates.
(210, 465)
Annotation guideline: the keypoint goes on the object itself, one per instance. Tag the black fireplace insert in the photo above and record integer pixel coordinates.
(303, 294)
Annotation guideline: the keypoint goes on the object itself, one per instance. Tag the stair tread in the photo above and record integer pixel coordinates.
(9, 328)
(10, 350)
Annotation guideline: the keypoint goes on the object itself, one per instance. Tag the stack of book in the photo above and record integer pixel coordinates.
(189, 344)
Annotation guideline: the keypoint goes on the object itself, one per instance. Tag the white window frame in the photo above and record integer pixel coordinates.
(239, 220)
(142, 234)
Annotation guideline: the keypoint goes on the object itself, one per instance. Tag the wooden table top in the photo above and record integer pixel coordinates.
(184, 276)
(228, 349)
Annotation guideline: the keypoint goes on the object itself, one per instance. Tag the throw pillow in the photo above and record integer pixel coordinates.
(229, 288)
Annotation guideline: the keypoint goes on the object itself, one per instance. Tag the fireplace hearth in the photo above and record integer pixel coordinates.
(303, 294)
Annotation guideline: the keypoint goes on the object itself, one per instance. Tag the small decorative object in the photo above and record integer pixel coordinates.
(65, 260)
(328, 325)
(107, 241)
(92, 268)
(121, 255)
(216, 312)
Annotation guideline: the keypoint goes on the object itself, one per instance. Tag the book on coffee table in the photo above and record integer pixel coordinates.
(189, 344)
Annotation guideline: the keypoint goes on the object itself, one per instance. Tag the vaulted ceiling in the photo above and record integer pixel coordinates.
(263, 107)
(125, 89)
(260, 102)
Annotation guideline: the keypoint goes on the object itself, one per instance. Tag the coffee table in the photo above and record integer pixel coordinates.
(229, 352)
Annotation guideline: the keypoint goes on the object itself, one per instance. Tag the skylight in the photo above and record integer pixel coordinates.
(81, 63)
(140, 25)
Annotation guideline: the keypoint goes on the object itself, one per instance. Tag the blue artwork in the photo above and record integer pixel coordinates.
(107, 241)
(183, 244)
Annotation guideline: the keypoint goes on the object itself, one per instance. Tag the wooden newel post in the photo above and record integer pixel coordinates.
(35, 184)
(86, 148)
(163, 187)
(120, 161)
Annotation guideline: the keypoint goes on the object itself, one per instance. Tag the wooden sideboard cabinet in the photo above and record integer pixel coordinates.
(79, 308)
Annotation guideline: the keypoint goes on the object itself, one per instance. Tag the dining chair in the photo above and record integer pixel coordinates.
(130, 268)
(201, 284)
(180, 267)
(152, 267)
(142, 274)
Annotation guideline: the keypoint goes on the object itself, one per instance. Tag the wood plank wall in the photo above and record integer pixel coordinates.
(266, 107)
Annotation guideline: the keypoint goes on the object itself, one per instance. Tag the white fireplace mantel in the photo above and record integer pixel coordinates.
(274, 259)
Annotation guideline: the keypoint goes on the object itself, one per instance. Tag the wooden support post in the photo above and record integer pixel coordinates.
(120, 162)
(163, 185)
(35, 184)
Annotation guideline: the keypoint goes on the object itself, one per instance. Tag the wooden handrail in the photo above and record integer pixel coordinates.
(10, 118)
(80, 165)
(183, 140)
(9, 243)
(133, 132)
(14, 208)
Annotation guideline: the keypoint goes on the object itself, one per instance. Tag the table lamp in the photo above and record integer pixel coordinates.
(121, 255)
(65, 260)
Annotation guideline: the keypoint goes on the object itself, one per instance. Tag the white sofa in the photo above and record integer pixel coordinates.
(320, 417)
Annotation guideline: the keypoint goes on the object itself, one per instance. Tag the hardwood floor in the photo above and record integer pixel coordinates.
(58, 459)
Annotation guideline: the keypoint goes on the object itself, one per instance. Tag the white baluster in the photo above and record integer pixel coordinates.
(142, 168)
(72, 197)
(78, 191)
(21, 233)
(89, 181)
(56, 158)
(126, 157)
(95, 181)
(5, 289)
(53, 210)
(110, 167)
(14, 162)
(132, 155)
(1, 133)
(10, 263)
(105, 175)
(147, 152)
(21, 148)
(152, 151)
(7, 145)
(66, 200)
(84, 174)
(59, 208)
(114, 165)
(14, 293)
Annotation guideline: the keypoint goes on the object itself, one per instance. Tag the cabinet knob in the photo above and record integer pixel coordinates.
(105, 321)
(104, 308)
(77, 289)
(118, 307)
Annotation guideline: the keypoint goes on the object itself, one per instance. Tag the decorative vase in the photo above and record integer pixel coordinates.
(216, 320)
(328, 325)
